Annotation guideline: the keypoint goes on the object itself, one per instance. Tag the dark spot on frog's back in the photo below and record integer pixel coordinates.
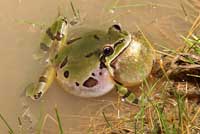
(89, 55)
(43, 79)
(64, 62)
(73, 40)
(56, 56)
(96, 53)
(49, 33)
(100, 73)
(90, 82)
(96, 37)
(77, 84)
(66, 74)
(44, 46)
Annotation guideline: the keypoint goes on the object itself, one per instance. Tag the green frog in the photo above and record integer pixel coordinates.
(94, 62)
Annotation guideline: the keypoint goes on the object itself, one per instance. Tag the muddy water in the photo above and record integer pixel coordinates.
(162, 21)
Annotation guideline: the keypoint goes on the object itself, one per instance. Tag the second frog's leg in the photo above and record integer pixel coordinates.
(126, 94)
(35, 91)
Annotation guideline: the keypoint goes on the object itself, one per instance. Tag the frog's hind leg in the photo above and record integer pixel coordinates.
(55, 34)
(35, 91)
(126, 94)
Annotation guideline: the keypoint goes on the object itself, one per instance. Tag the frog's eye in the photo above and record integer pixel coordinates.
(108, 50)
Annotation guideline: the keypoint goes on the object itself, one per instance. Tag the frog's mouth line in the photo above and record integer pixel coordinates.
(112, 63)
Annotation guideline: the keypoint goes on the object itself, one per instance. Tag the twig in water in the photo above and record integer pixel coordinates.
(59, 121)
(6, 123)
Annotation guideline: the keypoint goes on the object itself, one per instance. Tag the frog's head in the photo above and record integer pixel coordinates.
(119, 41)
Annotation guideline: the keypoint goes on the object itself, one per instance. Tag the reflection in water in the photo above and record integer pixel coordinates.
(162, 21)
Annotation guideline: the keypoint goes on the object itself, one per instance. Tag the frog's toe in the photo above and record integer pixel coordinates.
(37, 96)
(32, 92)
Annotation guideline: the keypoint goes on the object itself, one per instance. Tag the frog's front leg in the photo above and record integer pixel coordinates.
(126, 94)
(35, 91)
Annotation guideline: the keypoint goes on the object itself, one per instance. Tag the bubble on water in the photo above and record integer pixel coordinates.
(114, 21)
(112, 11)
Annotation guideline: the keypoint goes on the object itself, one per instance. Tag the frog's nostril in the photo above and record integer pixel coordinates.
(117, 27)
(44, 46)
(96, 37)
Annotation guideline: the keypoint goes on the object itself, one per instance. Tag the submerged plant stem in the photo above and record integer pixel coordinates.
(195, 25)
(105, 118)
(59, 122)
(6, 123)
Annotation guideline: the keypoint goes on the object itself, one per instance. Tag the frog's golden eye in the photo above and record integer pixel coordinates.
(108, 50)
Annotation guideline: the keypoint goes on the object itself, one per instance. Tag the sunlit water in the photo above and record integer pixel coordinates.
(162, 22)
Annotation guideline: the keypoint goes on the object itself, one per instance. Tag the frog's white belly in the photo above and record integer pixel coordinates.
(100, 84)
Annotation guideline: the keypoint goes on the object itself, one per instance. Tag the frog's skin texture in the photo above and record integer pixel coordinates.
(93, 63)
